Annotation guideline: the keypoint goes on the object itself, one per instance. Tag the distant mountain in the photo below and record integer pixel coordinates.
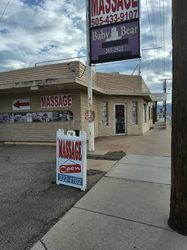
(169, 108)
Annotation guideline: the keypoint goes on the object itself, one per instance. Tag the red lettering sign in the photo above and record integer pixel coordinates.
(103, 12)
(74, 168)
(58, 101)
(70, 149)
(102, 7)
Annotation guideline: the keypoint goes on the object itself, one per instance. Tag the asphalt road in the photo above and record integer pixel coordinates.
(30, 201)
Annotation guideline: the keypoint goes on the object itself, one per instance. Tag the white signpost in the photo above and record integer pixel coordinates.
(71, 161)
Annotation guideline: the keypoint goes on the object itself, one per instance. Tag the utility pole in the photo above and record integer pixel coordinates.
(178, 204)
(165, 100)
(91, 139)
(165, 105)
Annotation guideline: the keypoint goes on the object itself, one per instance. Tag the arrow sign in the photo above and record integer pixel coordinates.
(21, 104)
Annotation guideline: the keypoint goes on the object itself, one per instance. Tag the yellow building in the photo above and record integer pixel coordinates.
(35, 102)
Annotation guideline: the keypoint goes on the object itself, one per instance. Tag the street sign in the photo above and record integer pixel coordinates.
(21, 104)
(71, 161)
(90, 115)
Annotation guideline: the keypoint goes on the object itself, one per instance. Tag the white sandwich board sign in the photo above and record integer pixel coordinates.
(71, 160)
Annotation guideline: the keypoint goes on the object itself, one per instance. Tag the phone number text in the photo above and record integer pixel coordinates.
(114, 18)
(70, 179)
(114, 50)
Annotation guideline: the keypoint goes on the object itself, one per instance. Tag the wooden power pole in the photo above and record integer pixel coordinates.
(178, 205)
(165, 103)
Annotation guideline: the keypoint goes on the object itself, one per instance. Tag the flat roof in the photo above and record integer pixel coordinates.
(72, 75)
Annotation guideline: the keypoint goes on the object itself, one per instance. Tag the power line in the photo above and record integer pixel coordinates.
(151, 48)
(59, 60)
(5, 10)
(149, 20)
(163, 37)
(160, 13)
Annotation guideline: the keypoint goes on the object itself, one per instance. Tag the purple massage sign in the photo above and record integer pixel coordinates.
(115, 42)
(114, 30)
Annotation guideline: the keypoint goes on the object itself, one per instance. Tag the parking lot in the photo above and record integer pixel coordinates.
(30, 201)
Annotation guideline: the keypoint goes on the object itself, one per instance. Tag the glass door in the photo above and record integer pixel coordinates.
(120, 118)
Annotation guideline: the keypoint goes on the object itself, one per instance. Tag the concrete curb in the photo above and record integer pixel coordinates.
(31, 143)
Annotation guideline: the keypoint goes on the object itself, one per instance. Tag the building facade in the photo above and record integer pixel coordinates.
(36, 102)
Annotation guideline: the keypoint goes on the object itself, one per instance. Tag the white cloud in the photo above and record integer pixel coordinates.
(42, 32)
(39, 30)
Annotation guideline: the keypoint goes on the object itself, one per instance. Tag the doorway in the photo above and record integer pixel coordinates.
(120, 118)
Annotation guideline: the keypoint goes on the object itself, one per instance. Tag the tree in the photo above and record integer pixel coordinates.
(178, 205)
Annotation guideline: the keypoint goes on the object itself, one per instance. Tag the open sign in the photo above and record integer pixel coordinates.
(65, 169)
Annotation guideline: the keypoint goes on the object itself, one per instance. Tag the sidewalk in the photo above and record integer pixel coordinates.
(127, 209)
(155, 142)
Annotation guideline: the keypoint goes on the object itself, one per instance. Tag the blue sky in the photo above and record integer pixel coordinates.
(33, 2)
(32, 31)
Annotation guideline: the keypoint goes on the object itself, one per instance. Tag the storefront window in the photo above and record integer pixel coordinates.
(149, 113)
(134, 113)
(104, 113)
(53, 116)
(145, 113)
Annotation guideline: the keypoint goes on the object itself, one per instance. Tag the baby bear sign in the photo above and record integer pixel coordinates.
(114, 30)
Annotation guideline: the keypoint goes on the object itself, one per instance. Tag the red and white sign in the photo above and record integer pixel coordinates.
(21, 104)
(103, 12)
(56, 101)
(90, 115)
(70, 168)
(71, 161)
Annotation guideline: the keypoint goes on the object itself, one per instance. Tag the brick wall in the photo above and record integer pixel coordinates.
(115, 85)
(117, 82)
(37, 131)
(131, 129)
